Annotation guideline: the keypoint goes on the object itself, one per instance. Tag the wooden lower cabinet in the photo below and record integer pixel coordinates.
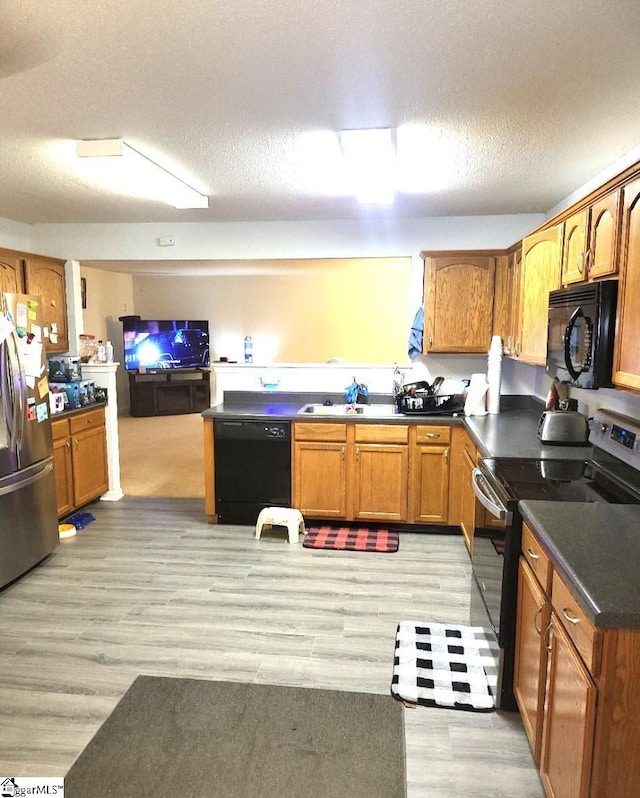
(569, 720)
(80, 458)
(576, 686)
(429, 474)
(396, 473)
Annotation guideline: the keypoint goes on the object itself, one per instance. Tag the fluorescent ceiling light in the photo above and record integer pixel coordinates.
(125, 169)
(370, 158)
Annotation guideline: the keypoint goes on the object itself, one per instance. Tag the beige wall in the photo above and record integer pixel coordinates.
(303, 311)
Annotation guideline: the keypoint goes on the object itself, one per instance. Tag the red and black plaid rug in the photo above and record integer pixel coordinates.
(351, 539)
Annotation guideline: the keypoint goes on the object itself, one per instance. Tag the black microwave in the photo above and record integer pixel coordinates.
(581, 334)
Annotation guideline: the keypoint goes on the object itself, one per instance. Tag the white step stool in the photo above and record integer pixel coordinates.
(281, 516)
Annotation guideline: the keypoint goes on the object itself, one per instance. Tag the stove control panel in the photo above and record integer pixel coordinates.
(618, 435)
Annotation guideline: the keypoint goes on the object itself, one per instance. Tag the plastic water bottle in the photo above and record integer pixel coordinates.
(248, 350)
(101, 356)
(108, 352)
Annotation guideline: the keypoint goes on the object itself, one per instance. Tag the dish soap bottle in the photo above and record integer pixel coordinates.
(248, 350)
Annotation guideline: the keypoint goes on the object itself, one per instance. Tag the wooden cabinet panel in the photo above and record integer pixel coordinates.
(533, 616)
(604, 238)
(626, 370)
(11, 280)
(569, 721)
(540, 274)
(320, 479)
(578, 627)
(80, 458)
(505, 300)
(429, 484)
(536, 558)
(458, 292)
(45, 277)
(468, 502)
(574, 266)
(380, 482)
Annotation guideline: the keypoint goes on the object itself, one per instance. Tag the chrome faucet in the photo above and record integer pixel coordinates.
(398, 380)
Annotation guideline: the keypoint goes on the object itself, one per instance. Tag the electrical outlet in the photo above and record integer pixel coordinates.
(166, 241)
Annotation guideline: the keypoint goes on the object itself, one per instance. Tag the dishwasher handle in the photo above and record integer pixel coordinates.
(485, 494)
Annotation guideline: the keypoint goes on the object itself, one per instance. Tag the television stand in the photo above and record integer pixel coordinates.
(169, 392)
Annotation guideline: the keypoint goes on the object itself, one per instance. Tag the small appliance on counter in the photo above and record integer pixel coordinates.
(563, 427)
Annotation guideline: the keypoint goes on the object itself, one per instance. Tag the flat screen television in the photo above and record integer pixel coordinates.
(165, 344)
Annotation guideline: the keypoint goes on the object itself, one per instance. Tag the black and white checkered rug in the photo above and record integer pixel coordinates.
(444, 665)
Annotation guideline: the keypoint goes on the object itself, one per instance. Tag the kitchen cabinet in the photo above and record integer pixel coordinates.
(429, 474)
(626, 369)
(458, 295)
(462, 500)
(10, 273)
(320, 469)
(532, 621)
(21, 273)
(80, 458)
(45, 277)
(576, 685)
(380, 470)
(590, 247)
(539, 274)
(506, 297)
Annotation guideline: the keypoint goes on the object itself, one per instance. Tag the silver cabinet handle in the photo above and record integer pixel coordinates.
(535, 620)
(533, 555)
(570, 618)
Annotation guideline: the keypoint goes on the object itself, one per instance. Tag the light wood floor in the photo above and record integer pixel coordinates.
(150, 588)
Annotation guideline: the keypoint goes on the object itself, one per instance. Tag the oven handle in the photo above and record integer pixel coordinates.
(487, 497)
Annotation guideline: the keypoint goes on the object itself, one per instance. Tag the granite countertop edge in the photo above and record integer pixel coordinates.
(602, 574)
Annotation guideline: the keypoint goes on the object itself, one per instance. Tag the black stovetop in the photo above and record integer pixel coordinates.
(601, 479)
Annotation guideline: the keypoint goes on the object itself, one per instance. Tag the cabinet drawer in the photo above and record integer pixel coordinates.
(319, 432)
(470, 449)
(84, 421)
(381, 433)
(586, 638)
(432, 434)
(60, 428)
(537, 558)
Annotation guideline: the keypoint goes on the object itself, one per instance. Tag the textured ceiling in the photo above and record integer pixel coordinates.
(530, 100)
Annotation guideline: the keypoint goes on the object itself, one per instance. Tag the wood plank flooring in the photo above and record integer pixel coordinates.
(149, 587)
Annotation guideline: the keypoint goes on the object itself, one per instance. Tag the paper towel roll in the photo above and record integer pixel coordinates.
(475, 404)
(494, 375)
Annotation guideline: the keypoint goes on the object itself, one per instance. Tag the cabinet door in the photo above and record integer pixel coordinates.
(89, 457)
(604, 239)
(320, 479)
(573, 249)
(64, 475)
(568, 730)
(531, 655)
(380, 482)
(429, 484)
(45, 278)
(10, 274)
(458, 303)
(626, 370)
(540, 274)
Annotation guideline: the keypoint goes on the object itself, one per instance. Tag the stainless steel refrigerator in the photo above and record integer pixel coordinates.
(28, 509)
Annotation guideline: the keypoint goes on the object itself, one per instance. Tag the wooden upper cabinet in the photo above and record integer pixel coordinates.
(604, 238)
(505, 302)
(591, 237)
(10, 273)
(626, 368)
(574, 255)
(539, 274)
(45, 277)
(458, 292)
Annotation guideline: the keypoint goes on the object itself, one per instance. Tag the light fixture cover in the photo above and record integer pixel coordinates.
(370, 158)
(138, 175)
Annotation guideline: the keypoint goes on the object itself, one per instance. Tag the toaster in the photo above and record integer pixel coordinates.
(564, 427)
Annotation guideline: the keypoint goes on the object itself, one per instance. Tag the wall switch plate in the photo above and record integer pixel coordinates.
(166, 241)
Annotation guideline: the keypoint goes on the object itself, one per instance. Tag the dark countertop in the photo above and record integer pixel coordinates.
(597, 550)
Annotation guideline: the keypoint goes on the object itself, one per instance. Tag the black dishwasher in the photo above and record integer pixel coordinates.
(252, 468)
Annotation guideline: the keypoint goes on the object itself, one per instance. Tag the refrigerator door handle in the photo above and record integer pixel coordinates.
(13, 486)
(19, 391)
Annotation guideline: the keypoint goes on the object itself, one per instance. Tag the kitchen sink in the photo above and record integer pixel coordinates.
(376, 411)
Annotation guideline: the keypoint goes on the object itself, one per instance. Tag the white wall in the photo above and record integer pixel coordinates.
(14, 235)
